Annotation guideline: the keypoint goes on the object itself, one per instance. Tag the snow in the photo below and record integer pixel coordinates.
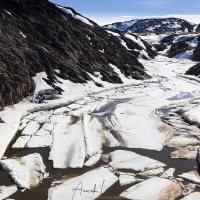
(76, 16)
(185, 55)
(22, 34)
(133, 124)
(137, 41)
(26, 171)
(121, 159)
(121, 75)
(182, 95)
(192, 196)
(8, 12)
(144, 55)
(124, 44)
(193, 43)
(5, 192)
(192, 176)
(153, 38)
(88, 182)
(39, 82)
(113, 33)
(153, 189)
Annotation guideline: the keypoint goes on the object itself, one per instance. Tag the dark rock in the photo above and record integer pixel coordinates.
(178, 47)
(195, 70)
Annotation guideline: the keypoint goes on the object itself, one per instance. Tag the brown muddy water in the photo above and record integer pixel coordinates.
(41, 192)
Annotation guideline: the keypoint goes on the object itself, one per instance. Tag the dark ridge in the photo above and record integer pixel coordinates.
(195, 70)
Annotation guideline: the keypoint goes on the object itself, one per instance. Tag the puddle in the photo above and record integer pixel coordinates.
(181, 165)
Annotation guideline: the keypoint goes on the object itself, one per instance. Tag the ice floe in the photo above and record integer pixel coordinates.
(26, 171)
(121, 159)
(153, 189)
(182, 141)
(192, 176)
(128, 121)
(192, 196)
(68, 148)
(93, 160)
(128, 179)
(193, 116)
(87, 186)
(151, 173)
(31, 128)
(5, 192)
(187, 152)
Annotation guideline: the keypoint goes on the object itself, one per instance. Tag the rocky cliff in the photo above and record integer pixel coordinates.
(39, 36)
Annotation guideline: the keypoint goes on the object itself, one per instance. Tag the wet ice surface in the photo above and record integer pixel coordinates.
(138, 134)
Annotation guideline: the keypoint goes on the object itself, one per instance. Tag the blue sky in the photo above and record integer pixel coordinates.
(107, 11)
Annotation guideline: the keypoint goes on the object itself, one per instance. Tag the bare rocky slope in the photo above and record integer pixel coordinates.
(39, 36)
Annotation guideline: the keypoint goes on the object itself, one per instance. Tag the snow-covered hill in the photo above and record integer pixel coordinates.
(156, 25)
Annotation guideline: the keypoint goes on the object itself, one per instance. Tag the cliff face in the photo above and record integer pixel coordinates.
(38, 36)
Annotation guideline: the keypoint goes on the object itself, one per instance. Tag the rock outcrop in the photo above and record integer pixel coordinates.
(195, 70)
(39, 36)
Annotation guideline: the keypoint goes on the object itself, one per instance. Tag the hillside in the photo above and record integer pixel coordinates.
(38, 36)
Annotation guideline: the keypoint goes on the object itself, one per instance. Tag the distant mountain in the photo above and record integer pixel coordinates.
(157, 25)
(39, 36)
